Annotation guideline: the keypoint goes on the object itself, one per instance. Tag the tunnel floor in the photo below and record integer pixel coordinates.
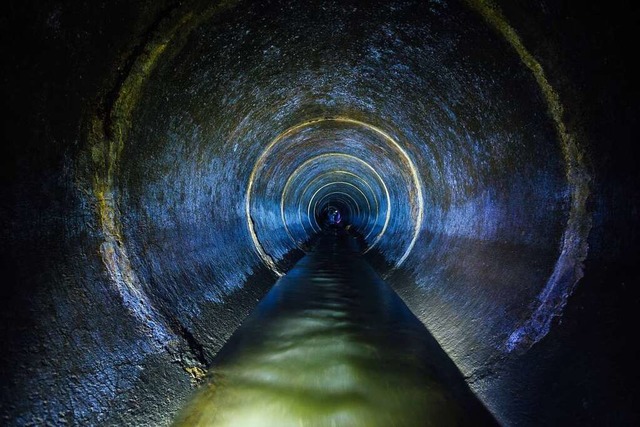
(333, 345)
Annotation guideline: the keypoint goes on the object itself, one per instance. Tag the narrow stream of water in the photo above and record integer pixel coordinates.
(333, 345)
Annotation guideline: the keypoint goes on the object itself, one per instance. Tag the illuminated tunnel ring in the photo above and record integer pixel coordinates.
(368, 167)
(366, 231)
(408, 169)
(337, 183)
(306, 163)
(318, 178)
(347, 195)
(316, 227)
(342, 198)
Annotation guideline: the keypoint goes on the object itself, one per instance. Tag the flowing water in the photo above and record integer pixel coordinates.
(332, 345)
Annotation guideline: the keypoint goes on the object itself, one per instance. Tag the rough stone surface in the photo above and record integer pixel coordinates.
(131, 248)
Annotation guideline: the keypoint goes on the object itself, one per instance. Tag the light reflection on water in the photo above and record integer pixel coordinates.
(332, 345)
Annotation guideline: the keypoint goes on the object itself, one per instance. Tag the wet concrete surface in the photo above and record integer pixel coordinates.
(133, 128)
(333, 345)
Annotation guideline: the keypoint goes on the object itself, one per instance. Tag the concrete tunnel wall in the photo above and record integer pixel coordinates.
(183, 183)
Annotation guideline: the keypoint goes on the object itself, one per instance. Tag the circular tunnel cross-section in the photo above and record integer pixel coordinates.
(430, 123)
(341, 159)
(208, 143)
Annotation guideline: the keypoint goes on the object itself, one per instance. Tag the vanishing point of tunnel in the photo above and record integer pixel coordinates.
(319, 213)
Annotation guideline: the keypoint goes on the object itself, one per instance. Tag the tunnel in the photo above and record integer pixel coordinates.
(176, 169)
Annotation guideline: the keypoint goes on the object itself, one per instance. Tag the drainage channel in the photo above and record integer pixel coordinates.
(333, 345)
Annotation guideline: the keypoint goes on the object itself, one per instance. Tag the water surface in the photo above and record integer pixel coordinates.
(332, 345)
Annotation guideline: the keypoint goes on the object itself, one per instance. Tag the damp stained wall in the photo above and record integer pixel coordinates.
(152, 143)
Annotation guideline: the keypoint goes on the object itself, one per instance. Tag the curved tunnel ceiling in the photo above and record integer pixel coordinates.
(459, 140)
(232, 125)
(429, 125)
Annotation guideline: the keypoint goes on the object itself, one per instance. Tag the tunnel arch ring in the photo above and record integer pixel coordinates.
(315, 205)
(413, 171)
(341, 172)
(365, 198)
(313, 197)
(344, 198)
(312, 217)
(297, 171)
(339, 197)
(335, 197)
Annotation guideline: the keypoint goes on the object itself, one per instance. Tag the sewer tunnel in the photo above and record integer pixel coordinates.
(207, 148)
